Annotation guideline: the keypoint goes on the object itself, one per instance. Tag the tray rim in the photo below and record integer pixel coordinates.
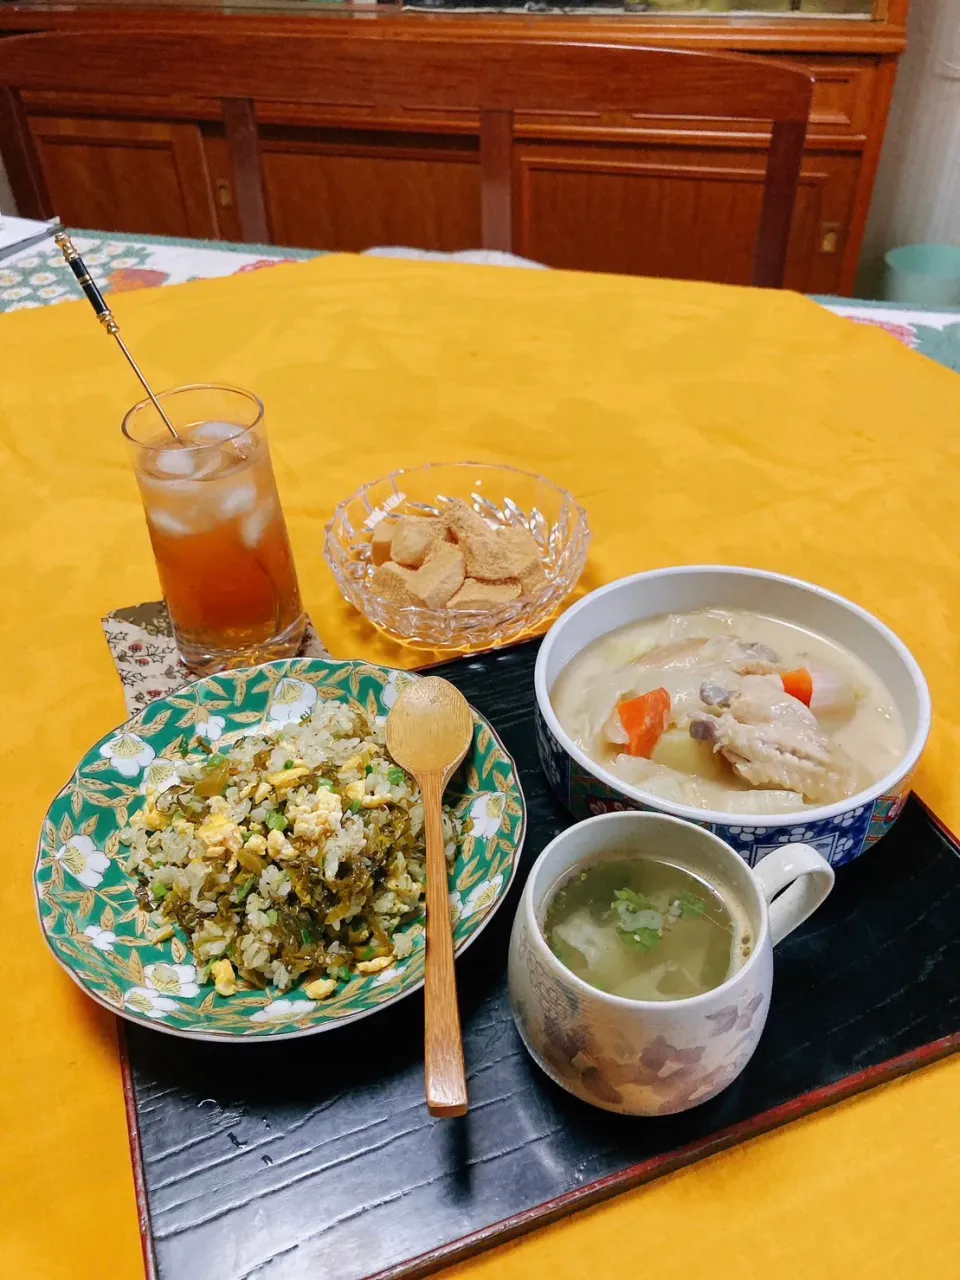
(602, 1189)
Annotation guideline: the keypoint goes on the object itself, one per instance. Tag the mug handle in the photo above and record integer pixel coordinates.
(806, 879)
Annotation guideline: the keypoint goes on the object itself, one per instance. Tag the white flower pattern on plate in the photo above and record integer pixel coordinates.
(211, 729)
(395, 684)
(85, 862)
(159, 776)
(102, 939)
(283, 1010)
(385, 976)
(291, 700)
(481, 896)
(486, 813)
(172, 979)
(128, 753)
(148, 1002)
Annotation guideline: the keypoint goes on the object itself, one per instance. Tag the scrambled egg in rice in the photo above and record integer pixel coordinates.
(289, 856)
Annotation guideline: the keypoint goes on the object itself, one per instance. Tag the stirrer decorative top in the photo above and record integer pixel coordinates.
(105, 316)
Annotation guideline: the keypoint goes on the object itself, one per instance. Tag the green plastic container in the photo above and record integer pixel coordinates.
(927, 275)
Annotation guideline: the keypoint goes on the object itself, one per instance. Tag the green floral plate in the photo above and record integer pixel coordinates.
(97, 928)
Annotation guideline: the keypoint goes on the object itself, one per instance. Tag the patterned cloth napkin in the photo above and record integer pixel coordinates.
(141, 641)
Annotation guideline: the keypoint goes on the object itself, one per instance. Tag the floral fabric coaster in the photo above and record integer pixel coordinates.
(141, 641)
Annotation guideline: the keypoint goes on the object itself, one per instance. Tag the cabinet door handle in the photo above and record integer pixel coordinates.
(224, 193)
(830, 234)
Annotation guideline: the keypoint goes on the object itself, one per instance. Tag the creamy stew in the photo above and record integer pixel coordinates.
(730, 711)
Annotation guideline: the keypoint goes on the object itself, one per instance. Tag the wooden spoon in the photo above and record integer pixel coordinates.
(429, 730)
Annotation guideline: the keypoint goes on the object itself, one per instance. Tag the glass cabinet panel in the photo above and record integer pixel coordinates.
(687, 8)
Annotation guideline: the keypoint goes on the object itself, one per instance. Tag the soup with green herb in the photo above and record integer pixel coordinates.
(645, 929)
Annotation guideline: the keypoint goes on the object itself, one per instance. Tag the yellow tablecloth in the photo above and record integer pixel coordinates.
(695, 423)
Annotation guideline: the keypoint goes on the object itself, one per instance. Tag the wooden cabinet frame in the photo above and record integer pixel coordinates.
(853, 61)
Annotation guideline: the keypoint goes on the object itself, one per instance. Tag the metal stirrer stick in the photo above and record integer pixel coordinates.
(105, 316)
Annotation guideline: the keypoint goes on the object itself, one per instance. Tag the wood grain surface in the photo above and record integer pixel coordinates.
(247, 70)
(429, 730)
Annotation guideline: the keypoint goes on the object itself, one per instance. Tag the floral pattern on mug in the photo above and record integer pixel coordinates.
(735, 1017)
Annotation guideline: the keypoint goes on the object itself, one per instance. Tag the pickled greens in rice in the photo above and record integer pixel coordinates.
(297, 855)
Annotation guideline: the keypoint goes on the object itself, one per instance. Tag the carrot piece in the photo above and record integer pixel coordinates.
(799, 685)
(645, 718)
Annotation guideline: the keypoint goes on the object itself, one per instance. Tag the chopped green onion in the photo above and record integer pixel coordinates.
(272, 916)
(369, 769)
(355, 806)
(396, 776)
(645, 939)
(246, 888)
(325, 783)
(367, 953)
(307, 936)
(691, 905)
(288, 764)
(216, 761)
(159, 890)
(276, 821)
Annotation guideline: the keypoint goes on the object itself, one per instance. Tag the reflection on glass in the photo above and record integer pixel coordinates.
(689, 8)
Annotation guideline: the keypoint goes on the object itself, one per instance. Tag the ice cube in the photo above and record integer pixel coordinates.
(235, 500)
(175, 462)
(168, 523)
(214, 432)
(255, 524)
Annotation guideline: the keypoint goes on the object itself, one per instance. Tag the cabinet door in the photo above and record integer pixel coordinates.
(352, 189)
(686, 212)
(126, 175)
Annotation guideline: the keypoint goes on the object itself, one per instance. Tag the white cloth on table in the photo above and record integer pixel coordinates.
(480, 257)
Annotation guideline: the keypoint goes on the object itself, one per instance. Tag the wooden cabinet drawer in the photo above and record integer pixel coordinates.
(842, 96)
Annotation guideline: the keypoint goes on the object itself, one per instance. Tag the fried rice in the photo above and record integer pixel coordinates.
(294, 855)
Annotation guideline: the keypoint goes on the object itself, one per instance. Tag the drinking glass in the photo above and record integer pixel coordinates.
(216, 526)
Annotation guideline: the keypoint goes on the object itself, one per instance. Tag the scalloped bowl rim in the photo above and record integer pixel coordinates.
(332, 1024)
(722, 818)
(510, 611)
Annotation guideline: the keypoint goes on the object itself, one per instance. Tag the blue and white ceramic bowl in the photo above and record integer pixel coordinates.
(840, 832)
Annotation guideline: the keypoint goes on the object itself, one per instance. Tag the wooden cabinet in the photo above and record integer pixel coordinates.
(350, 189)
(620, 192)
(126, 175)
(686, 212)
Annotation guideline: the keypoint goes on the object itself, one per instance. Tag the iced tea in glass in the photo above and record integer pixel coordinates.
(216, 526)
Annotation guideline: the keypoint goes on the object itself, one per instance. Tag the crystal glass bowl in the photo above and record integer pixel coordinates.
(503, 496)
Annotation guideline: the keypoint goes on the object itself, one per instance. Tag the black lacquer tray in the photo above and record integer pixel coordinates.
(317, 1158)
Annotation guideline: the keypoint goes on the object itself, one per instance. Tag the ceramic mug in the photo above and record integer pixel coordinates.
(642, 1057)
